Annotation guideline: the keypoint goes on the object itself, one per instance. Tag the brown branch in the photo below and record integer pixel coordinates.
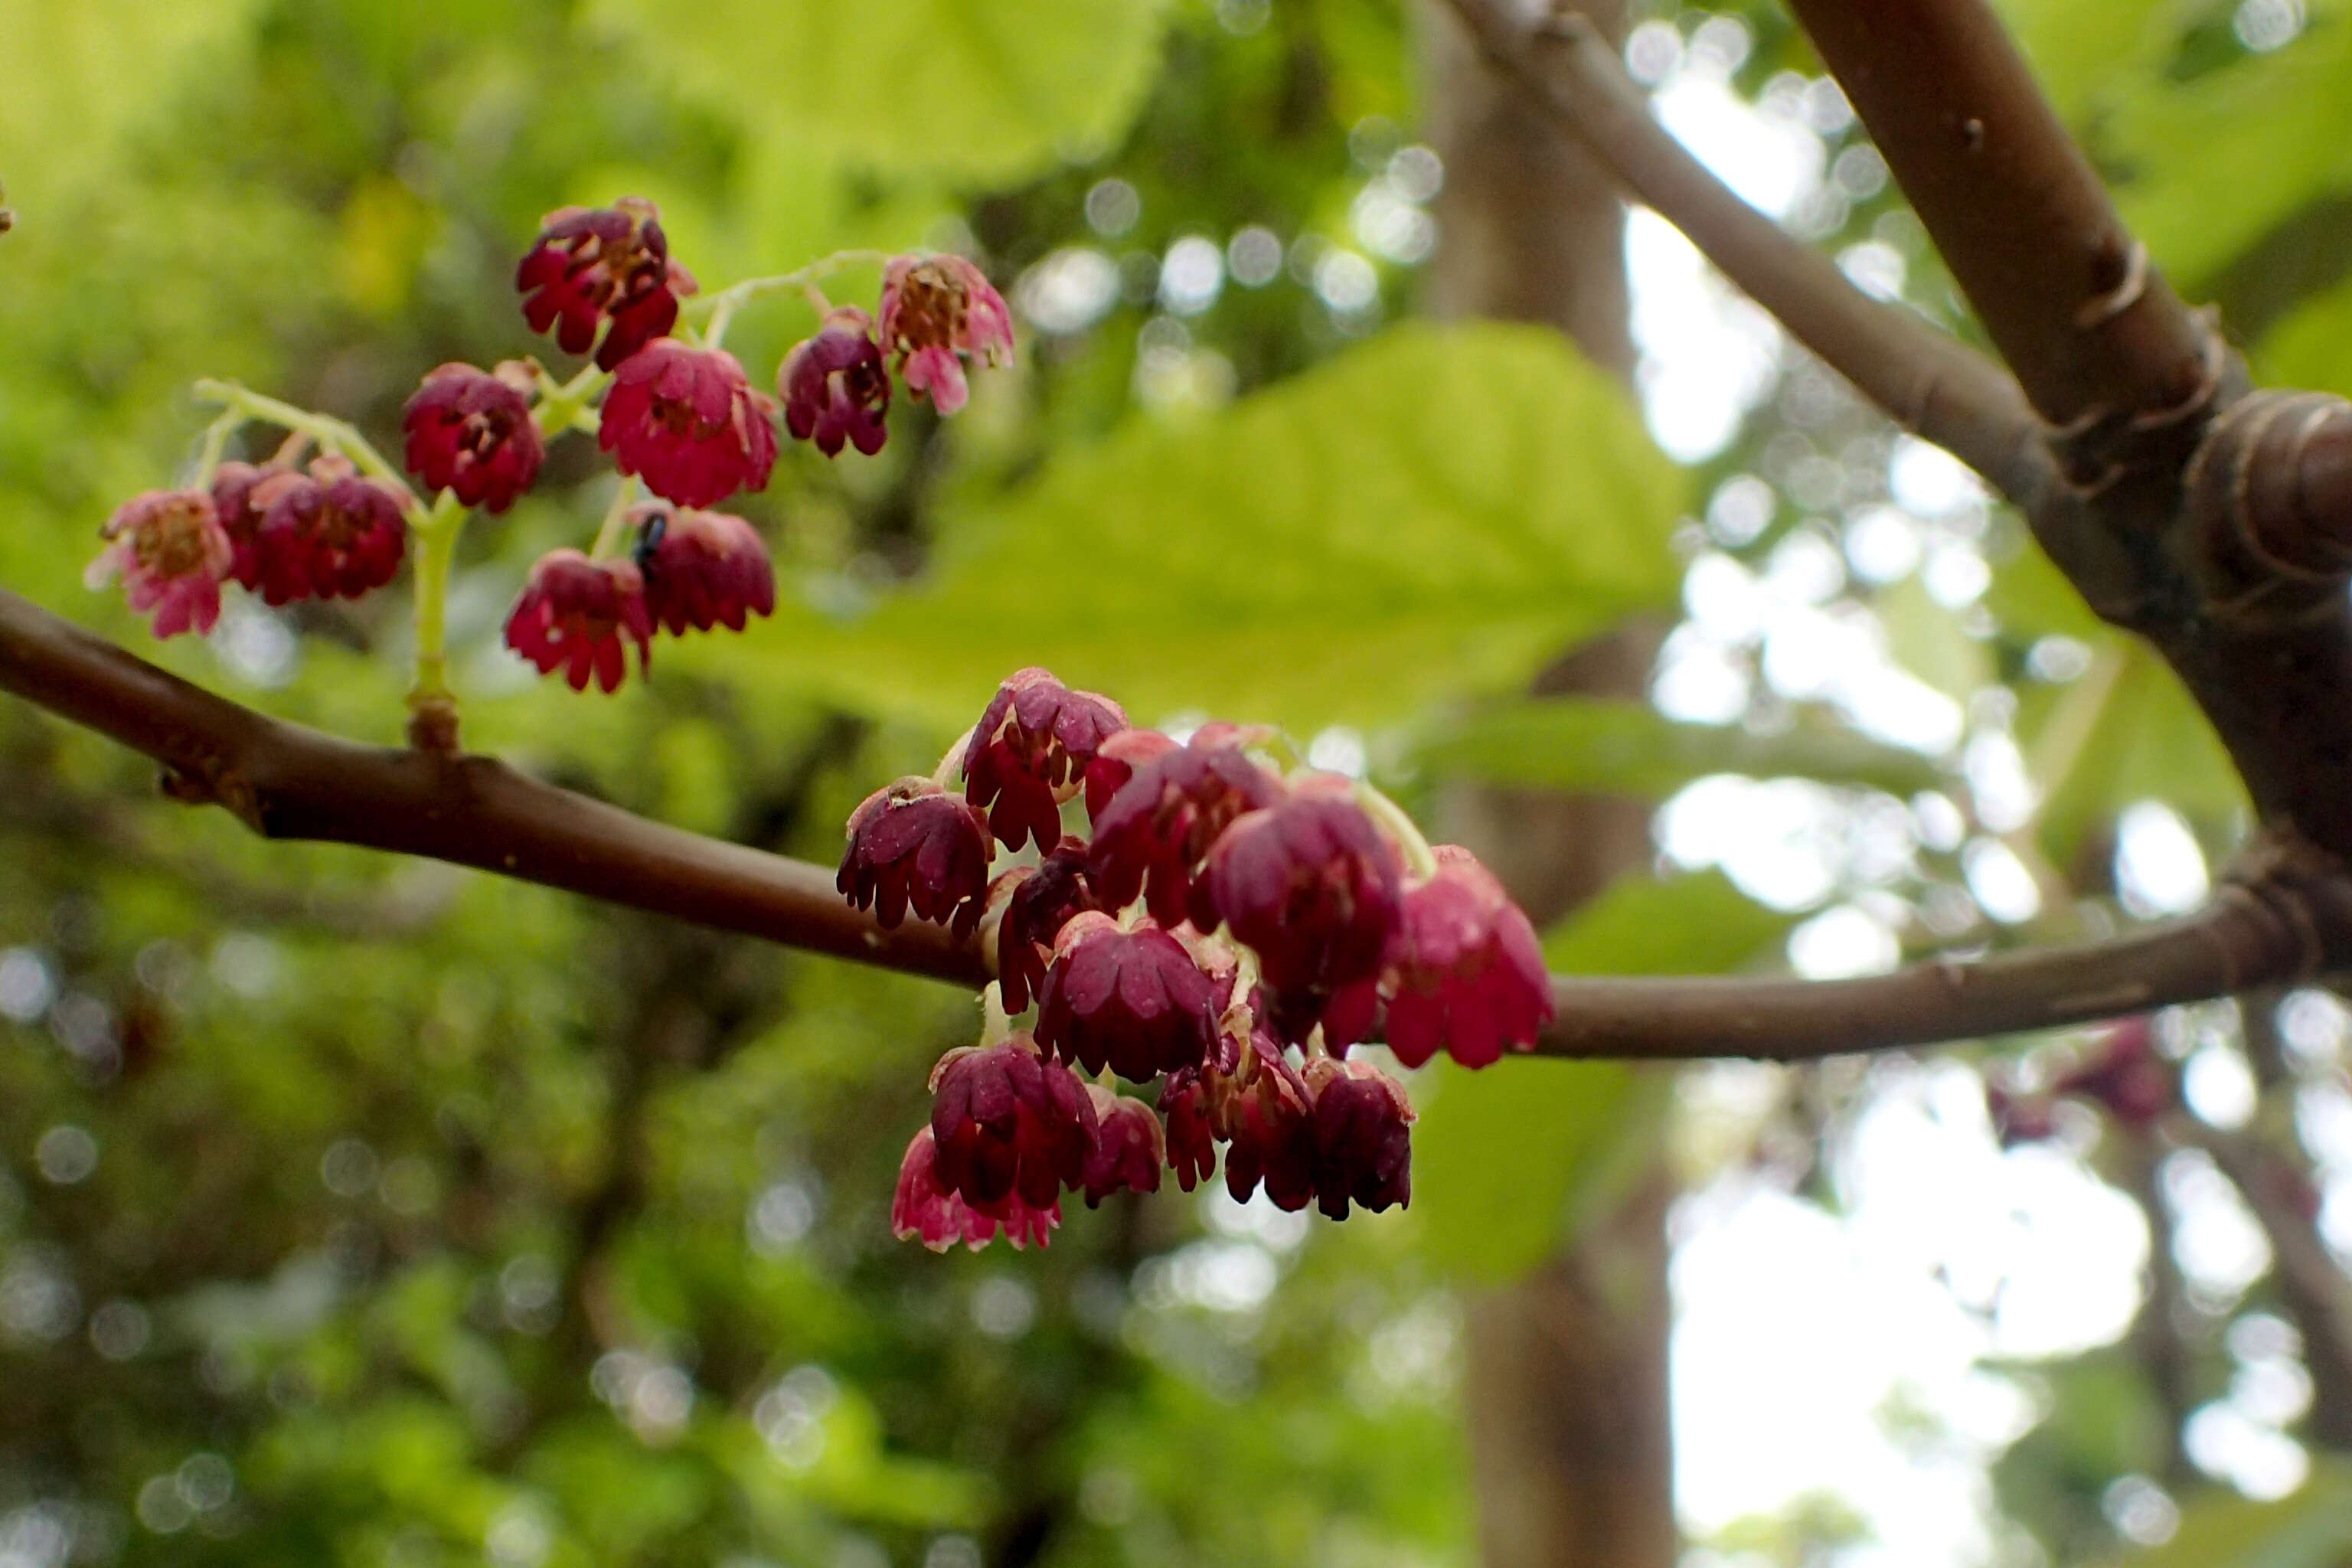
(2064, 289)
(2286, 921)
(1932, 385)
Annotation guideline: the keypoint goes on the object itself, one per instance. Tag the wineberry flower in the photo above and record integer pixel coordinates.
(1363, 1148)
(2124, 1075)
(1028, 751)
(1132, 1000)
(328, 533)
(170, 552)
(590, 266)
(1184, 1100)
(924, 1210)
(913, 846)
(1271, 1117)
(1115, 761)
(687, 422)
(835, 387)
(1009, 1123)
(1038, 904)
(575, 612)
(1129, 1147)
(470, 433)
(2018, 1118)
(1154, 832)
(1464, 971)
(1312, 887)
(702, 569)
(241, 496)
(934, 309)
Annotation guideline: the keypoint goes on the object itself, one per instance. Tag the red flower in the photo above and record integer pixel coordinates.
(685, 421)
(327, 534)
(1128, 1149)
(934, 309)
(170, 552)
(924, 1210)
(2018, 1118)
(1026, 753)
(1192, 1133)
(1312, 887)
(241, 495)
(1042, 899)
(576, 612)
(470, 433)
(835, 387)
(1009, 1123)
(913, 846)
(702, 569)
(1363, 1146)
(1465, 971)
(1115, 763)
(593, 265)
(1271, 1117)
(1155, 831)
(2125, 1074)
(1132, 1000)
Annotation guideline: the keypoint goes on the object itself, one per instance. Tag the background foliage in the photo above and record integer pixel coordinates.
(356, 1212)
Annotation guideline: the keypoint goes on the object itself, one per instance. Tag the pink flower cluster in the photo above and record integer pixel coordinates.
(2122, 1073)
(1220, 927)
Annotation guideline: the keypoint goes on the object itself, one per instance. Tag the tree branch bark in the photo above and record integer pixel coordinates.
(2289, 916)
(1930, 384)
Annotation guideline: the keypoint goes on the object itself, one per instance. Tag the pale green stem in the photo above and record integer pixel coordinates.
(436, 548)
(562, 406)
(995, 1023)
(717, 309)
(616, 517)
(216, 435)
(1419, 858)
(951, 764)
(331, 433)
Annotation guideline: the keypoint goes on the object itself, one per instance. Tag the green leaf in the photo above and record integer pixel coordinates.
(2213, 163)
(2312, 346)
(1504, 1163)
(985, 94)
(2126, 730)
(1428, 516)
(2310, 1528)
(2081, 49)
(1596, 746)
(1928, 640)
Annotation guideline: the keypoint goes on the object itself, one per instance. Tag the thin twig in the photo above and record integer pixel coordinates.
(288, 782)
(1929, 383)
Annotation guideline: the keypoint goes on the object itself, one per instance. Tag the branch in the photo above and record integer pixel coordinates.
(2065, 292)
(2287, 919)
(1928, 383)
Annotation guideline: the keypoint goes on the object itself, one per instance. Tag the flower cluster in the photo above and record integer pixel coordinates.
(1219, 927)
(2121, 1074)
(673, 409)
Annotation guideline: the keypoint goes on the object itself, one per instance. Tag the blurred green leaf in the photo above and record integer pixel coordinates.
(1928, 640)
(986, 93)
(2310, 1528)
(1629, 748)
(2080, 49)
(1504, 1161)
(1432, 514)
(2312, 347)
(2125, 731)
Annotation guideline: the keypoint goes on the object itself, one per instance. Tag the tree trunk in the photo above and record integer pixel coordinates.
(1565, 1391)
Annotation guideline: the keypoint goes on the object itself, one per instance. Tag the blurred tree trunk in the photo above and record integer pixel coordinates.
(1565, 1390)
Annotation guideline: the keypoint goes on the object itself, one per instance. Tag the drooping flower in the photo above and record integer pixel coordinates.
(1009, 1123)
(1184, 1100)
(1363, 1146)
(1152, 835)
(612, 264)
(1115, 761)
(2125, 1074)
(170, 552)
(934, 310)
(1041, 900)
(913, 846)
(470, 433)
(835, 387)
(2019, 1117)
(702, 569)
(687, 422)
(241, 496)
(1027, 753)
(1311, 886)
(1129, 1147)
(1271, 1122)
(1463, 970)
(1133, 1000)
(924, 1210)
(579, 614)
(328, 533)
